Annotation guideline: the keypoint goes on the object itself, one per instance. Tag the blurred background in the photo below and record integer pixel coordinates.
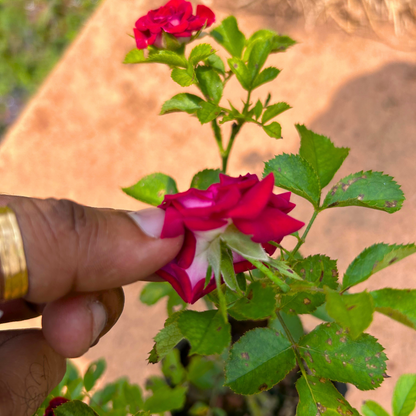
(76, 123)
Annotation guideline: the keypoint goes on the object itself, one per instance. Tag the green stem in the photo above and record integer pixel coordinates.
(269, 273)
(234, 131)
(302, 240)
(294, 345)
(218, 135)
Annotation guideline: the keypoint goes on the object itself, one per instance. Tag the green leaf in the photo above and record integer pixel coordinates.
(319, 270)
(284, 269)
(172, 367)
(259, 303)
(242, 244)
(165, 399)
(200, 53)
(321, 153)
(259, 360)
(331, 353)
(353, 312)
(397, 304)
(258, 56)
(162, 56)
(135, 56)
(366, 189)
(295, 174)
(204, 373)
(206, 331)
(204, 179)
(152, 188)
(404, 396)
(267, 75)
(370, 408)
(257, 110)
(184, 77)
(373, 259)
(154, 291)
(227, 268)
(208, 112)
(189, 103)
(75, 407)
(171, 58)
(292, 322)
(274, 110)
(210, 83)
(215, 62)
(239, 68)
(229, 36)
(274, 130)
(166, 339)
(318, 396)
(281, 43)
(133, 397)
(93, 373)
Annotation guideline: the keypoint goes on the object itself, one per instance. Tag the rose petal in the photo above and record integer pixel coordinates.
(203, 224)
(273, 225)
(187, 253)
(254, 200)
(206, 14)
(282, 202)
(173, 225)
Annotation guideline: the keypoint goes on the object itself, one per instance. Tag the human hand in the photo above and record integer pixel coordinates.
(77, 259)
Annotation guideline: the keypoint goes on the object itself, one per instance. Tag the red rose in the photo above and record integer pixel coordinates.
(55, 402)
(175, 18)
(202, 216)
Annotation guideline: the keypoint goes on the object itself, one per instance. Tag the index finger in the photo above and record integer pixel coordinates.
(74, 248)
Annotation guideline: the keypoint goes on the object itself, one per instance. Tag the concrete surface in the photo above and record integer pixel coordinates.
(93, 128)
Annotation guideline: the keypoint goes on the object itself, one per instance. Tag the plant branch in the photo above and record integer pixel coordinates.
(294, 345)
(302, 239)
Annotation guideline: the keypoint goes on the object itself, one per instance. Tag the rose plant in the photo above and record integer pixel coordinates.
(235, 259)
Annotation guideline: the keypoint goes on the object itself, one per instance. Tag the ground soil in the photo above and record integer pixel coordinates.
(94, 127)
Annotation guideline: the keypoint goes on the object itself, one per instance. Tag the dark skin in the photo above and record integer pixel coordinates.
(76, 257)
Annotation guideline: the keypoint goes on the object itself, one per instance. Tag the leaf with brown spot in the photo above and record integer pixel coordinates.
(370, 190)
(318, 397)
(271, 358)
(316, 352)
(353, 312)
(373, 259)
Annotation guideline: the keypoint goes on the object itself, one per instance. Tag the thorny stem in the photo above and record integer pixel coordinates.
(302, 239)
(269, 273)
(235, 129)
(294, 345)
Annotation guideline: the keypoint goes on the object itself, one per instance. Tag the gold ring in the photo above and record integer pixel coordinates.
(14, 280)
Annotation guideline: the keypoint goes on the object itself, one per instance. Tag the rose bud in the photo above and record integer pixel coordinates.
(54, 403)
(203, 216)
(174, 18)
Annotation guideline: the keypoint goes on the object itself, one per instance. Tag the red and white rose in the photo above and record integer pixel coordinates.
(202, 216)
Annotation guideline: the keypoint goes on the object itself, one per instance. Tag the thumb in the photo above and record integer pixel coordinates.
(74, 248)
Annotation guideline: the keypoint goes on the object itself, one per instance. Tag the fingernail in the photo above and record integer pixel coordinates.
(149, 220)
(99, 320)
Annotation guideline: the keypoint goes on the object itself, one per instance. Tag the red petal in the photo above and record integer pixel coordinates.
(175, 284)
(187, 253)
(173, 225)
(206, 14)
(201, 224)
(282, 202)
(272, 225)
(143, 39)
(254, 200)
(199, 290)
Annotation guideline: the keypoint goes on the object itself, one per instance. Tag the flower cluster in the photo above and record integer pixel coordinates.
(174, 18)
(202, 216)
